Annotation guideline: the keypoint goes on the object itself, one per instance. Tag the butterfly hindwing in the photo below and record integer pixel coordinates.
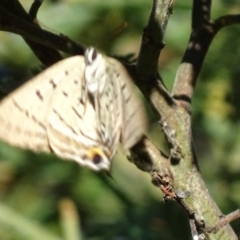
(111, 111)
(133, 117)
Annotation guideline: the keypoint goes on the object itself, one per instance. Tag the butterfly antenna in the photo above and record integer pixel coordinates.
(116, 32)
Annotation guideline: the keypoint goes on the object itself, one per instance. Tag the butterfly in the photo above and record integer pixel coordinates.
(79, 109)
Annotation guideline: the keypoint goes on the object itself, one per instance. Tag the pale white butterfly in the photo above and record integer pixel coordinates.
(79, 109)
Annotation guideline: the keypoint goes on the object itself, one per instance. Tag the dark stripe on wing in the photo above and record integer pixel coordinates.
(28, 115)
(39, 95)
(73, 131)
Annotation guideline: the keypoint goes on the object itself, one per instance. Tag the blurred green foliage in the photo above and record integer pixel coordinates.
(42, 197)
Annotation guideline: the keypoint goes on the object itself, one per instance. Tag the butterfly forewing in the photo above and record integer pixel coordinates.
(23, 113)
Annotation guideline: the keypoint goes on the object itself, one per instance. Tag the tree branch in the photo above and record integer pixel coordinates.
(152, 39)
(176, 114)
(45, 45)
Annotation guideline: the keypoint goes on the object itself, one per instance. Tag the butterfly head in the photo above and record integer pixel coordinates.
(95, 75)
(91, 55)
(97, 159)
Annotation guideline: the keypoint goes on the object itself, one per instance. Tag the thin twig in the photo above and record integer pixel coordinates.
(12, 9)
(34, 8)
(225, 21)
(224, 220)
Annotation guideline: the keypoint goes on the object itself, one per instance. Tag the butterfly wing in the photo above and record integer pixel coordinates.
(133, 117)
(23, 112)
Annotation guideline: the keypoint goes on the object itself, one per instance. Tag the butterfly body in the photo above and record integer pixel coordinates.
(79, 108)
